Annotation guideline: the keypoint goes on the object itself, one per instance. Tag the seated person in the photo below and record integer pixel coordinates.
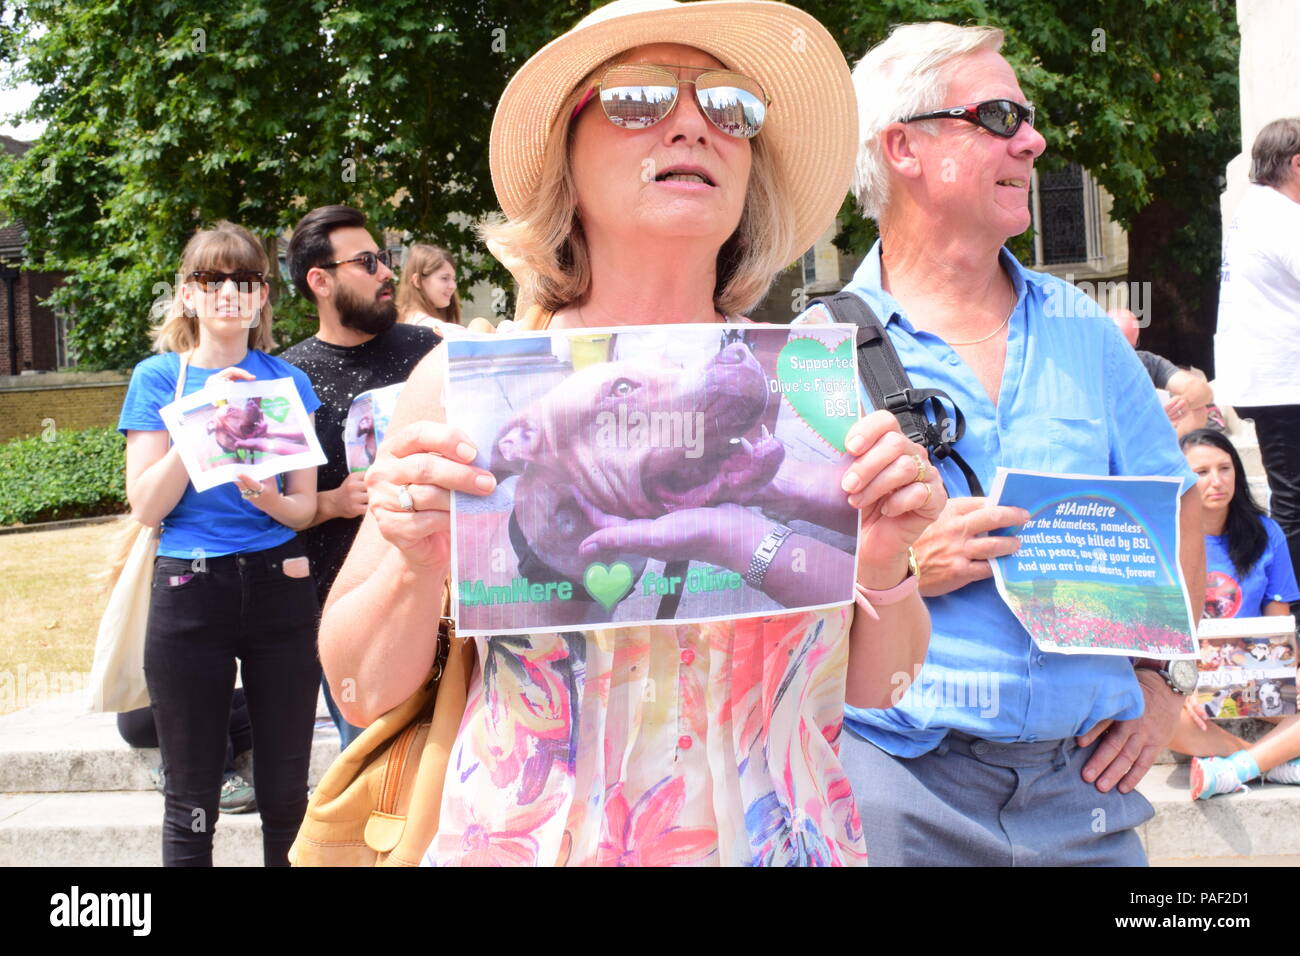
(1248, 574)
(1189, 393)
(138, 730)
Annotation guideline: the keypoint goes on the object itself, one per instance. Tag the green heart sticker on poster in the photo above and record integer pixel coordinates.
(830, 412)
(607, 584)
(277, 408)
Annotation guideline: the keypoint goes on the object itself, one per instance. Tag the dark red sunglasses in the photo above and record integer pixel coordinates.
(999, 117)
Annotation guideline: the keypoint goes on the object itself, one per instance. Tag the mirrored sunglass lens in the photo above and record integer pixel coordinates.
(735, 111)
(636, 107)
(1000, 116)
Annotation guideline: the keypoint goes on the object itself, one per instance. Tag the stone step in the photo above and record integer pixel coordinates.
(122, 829)
(108, 829)
(55, 746)
(1264, 822)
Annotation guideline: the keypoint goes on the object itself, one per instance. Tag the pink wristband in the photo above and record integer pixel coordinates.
(869, 599)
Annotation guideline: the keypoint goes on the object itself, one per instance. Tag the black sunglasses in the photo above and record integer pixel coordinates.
(212, 281)
(999, 117)
(370, 261)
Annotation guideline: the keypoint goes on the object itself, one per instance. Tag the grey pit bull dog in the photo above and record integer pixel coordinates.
(636, 440)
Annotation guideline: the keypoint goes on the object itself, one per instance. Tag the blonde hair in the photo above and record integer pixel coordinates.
(224, 246)
(423, 259)
(547, 249)
(900, 77)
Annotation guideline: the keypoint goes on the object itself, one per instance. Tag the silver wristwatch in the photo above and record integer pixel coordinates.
(764, 555)
(1181, 674)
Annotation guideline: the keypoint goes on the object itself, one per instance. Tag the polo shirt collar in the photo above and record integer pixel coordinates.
(866, 283)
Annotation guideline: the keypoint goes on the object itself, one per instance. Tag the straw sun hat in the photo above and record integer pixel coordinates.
(811, 126)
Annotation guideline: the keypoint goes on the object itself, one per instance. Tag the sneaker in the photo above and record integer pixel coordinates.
(1212, 776)
(237, 795)
(1288, 772)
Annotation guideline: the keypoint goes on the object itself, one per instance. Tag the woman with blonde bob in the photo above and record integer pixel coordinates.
(230, 580)
(657, 164)
(426, 294)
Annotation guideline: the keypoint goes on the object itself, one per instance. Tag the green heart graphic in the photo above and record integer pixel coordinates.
(277, 408)
(799, 387)
(607, 584)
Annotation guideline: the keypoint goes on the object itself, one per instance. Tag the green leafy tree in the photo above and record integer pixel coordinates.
(1142, 95)
(165, 117)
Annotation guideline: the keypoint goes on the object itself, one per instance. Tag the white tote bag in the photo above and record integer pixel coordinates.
(117, 674)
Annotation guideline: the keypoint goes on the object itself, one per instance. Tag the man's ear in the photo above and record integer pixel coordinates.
(318, 281)
(519, 443)
(896, 149)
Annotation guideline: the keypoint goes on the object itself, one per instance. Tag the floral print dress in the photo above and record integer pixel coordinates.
(700, 744)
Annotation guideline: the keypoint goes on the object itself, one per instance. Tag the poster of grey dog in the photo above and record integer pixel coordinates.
(677, 474)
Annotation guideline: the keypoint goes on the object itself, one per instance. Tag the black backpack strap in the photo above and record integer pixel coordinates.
(888, 385)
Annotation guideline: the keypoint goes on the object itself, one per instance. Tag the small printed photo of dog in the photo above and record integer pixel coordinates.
(651, 474)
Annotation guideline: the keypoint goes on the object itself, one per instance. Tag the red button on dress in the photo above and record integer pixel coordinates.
(688, 656)
(684, 742)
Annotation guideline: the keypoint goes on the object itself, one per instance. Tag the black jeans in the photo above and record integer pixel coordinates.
(138, 729)
(242, 606)
(1278, 429)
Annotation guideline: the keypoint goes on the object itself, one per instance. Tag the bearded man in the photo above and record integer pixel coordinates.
(337, 265)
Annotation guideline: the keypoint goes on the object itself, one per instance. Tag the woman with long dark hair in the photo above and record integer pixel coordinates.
(1248, 574)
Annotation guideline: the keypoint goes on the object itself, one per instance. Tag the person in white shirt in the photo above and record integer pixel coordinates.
(1257, 345)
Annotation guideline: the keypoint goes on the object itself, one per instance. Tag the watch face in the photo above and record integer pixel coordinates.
(1183, 675)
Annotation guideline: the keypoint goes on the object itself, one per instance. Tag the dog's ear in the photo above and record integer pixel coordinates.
(519, 443)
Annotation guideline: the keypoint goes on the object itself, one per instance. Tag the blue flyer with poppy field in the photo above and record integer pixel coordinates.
(1097, 570)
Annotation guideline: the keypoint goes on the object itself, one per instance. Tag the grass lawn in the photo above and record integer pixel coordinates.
(49, 609)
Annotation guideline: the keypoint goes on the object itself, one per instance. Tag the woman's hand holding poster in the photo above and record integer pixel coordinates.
(258, 428)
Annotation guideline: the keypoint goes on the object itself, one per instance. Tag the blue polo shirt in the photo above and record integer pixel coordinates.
(1074, 399)
(217, 521)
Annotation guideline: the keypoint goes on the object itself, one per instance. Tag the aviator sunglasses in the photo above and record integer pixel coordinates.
(210, 280)
(639, 95)
(370, 261)
(999, 117)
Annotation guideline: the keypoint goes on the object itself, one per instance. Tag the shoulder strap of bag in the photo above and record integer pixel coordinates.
(888, 385)
(184, 359)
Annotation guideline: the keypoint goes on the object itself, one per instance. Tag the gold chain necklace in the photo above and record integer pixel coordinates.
(1000, 327)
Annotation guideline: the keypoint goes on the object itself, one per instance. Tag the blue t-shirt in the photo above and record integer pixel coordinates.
(1074, 399)
(1271, 578)
(217, 521)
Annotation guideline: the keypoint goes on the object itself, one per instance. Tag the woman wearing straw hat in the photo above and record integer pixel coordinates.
(658, 163)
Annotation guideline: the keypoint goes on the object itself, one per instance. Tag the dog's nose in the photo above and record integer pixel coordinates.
(733, 354)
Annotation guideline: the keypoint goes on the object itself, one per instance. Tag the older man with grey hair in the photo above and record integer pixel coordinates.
(1257, 345)
(997, 753)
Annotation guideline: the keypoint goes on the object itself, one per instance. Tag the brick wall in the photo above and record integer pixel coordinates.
(23, 408)
(36, 326)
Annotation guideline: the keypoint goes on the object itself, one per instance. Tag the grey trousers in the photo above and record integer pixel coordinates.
(972, 802)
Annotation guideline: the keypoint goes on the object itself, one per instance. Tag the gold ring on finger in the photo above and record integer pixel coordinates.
(929, 494)
(922, 470)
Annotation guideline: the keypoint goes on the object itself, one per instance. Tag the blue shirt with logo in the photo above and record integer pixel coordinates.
(1271, 578)
(1074, 399)
(217, 521)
